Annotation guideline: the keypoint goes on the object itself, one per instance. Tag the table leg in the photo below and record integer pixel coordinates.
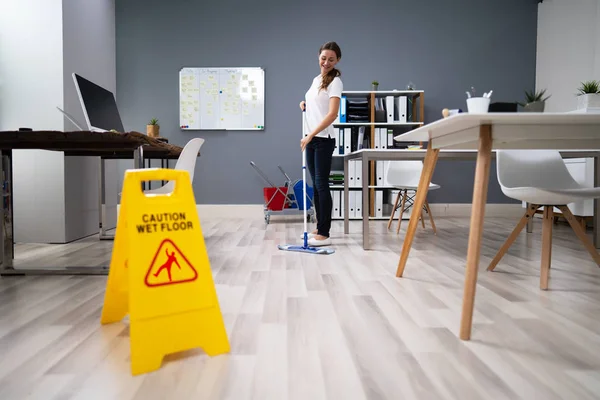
(431, 157)
(365, 202)
(7, 228)
(596, 202)
(346, 199)
(480, 189)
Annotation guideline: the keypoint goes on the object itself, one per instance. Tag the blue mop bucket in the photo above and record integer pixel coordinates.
(297, 188)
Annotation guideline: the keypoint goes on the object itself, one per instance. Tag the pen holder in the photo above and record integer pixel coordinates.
(478, 105)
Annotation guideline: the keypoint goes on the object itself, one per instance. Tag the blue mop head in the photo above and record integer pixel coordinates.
(305, 248)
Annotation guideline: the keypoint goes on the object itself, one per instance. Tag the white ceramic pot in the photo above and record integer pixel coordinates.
(588, 101)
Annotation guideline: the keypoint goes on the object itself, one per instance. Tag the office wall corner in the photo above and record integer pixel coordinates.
(89, 50)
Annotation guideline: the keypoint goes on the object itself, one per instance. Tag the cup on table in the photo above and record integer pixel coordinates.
(478, 105)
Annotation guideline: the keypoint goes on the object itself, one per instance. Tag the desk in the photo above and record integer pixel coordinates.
(484, 132)
(367, 155)
(105, 145)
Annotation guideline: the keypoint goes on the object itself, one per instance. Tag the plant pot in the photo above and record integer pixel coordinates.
(536, 106)
(152, 130)
(374, 87)
(589, 100)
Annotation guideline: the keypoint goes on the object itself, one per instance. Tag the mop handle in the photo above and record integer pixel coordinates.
(304, 177)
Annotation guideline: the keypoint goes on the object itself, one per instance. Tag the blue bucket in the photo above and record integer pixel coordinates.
(297, 188)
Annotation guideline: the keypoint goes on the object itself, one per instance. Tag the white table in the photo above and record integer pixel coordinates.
(366, 155)
(484, 132)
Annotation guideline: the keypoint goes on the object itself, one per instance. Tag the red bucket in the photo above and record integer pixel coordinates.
(274, 199)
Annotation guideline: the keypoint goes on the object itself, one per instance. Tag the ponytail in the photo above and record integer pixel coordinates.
(327, 79)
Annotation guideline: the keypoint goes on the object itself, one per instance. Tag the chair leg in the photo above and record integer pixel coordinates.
(430, 217)
(580, 232)
(529, 213)
(546, 246)
(394, 209)
(402, 210)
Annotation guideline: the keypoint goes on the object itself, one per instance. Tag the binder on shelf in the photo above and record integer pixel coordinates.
(335, 212)
(358, 203)
(389, 108)
(379, 203)
(358, 173)
(390, 138)
(379, 173)
(382, 135)
(361, 137)
(400, 109)
(351, 173)
(347, 140)
(352, 200)
(343, 109)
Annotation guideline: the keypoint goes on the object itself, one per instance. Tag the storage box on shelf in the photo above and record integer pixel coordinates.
(370, 119)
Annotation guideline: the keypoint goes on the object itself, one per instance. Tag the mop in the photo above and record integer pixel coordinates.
(305, 248)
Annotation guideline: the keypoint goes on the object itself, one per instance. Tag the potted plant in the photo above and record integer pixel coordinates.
(536, 101)
(589, 95)
(375, 85)
(153, 128)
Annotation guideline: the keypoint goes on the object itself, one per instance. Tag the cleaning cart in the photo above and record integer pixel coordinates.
(286, 199)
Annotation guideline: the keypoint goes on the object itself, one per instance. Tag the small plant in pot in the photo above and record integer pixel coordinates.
(589, 95)
(374, 85)
(536, 102)
(152, 129)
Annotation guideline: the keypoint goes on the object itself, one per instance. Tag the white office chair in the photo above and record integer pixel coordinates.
(541, 178)
(405, 175)
(186, 161)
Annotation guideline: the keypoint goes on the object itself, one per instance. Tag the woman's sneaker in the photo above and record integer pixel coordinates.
(315, 242)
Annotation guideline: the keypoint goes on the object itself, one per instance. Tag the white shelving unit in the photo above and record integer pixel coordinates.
(414, 119)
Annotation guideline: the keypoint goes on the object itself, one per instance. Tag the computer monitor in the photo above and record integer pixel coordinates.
(99, 106)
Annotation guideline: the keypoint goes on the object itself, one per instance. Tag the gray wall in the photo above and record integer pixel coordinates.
(89, 50)
(444, 47)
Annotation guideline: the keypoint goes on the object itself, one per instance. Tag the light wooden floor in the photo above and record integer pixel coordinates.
(304, 326)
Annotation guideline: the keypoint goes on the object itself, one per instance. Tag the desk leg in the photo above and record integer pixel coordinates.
(7, 227)
(480, 189)
(431, 158)
(138, 161)
(596, 202)
(101, 200)
(366, 206)
(346, 199)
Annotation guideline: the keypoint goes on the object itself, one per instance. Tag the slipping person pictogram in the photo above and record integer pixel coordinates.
(168, 264)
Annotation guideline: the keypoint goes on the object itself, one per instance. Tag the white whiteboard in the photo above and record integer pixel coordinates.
(222, 98)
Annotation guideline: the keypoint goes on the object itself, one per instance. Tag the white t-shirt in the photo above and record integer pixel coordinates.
(317, 104)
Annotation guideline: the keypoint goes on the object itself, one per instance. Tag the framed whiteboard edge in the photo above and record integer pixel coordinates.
(181, 128)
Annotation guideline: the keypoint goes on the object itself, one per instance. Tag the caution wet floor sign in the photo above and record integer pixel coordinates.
(160, 274)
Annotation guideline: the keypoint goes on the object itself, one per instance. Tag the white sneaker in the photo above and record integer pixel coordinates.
(315, 242)
(310, 235)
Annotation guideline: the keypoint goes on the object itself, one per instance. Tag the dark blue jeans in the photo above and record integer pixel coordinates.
(319, 153)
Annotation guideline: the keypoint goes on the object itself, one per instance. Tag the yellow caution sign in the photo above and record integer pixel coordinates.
(160, 274)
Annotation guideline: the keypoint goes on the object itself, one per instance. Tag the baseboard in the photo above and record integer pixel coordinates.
(254, 211)
(439, 210)
(248, 211)
(464, 210)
